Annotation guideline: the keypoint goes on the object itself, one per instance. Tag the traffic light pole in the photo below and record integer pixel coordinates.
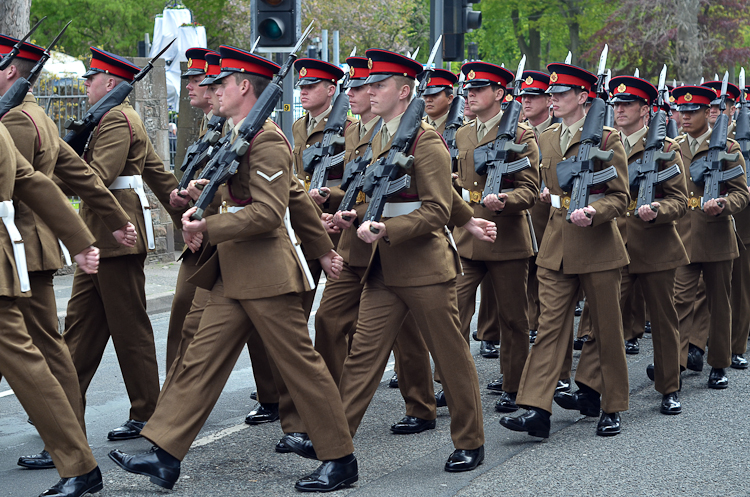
(436, 27)
(286, 116)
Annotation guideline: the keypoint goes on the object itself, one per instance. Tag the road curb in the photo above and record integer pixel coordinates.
(155, 304)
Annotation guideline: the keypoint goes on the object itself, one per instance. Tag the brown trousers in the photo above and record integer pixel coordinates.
(509, 284)
(434, 308)
(700, 321)
(488, 320)
(208, 361)
(602, 365)
(41, 395)
(183, 300)
(718, 279)
(633, 315)
(741, 302)
(112, 303)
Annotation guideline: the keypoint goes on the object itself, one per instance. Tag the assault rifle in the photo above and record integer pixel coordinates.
(21, 86)
(381, 179)
(602, 87)
(8, 58)
(644, 173)
(454, 121)
(199, 151)
(576, 174)
(708, 170)
(318, 159)
(354, 175)
(80, 130)
(227, 159)
(742, 129)
(492, 158)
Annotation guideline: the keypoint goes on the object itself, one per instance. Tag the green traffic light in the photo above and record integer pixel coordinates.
(271, 28)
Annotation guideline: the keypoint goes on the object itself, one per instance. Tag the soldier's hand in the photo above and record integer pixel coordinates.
(179, 200)
(495, 202)
(88, 260)
(338, 219)
(366, 235)
(544, 195)
(320, 195)
(126, 235)
(482, 229)
(583, 217)
(192, 240)
(648, 213)
(454, 176)
(190, 225)
(195, 188)
(331, 228)
(332, 264)
(714, 206)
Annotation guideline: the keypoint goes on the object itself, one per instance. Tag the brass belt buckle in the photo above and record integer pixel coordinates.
(475, 197)
(361, 198)
(694, 202)
(566, 202)
(632, 205)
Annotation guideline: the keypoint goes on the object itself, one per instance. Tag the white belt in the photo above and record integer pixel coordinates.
(136, 183)
(65, 253)
(466, 194)
(7, 212)
(393, 209)
(231, 209)
(298, 249)
(557, 199)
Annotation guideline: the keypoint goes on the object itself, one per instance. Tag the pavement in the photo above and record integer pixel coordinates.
(701, 452)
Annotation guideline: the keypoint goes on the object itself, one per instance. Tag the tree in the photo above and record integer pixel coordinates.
(14, 17)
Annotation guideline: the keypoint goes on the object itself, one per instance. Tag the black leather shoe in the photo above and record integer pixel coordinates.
(632, 347)
(254, 395)
(440, 399)
(281, 447)
(647, 327)
(393, 382)
(331, 475)
(162, 468)
(90, 483)
(717, 379)
(506, 403)
(578, 342)
(496, 385)
(563, 385)
(588, 403)
(130, 429)
(487, 350)
(609, 424)
(464, 460)
(38, 461)
(534, 422)
(739, 361)
(302, 446)
(695, 358)
(650, 372)
(263, 413)
(474, 336)
(532, 336)
(670, 404)
(579, 309)
(410, 425)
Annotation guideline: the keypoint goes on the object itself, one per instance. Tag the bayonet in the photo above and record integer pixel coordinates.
(637, 73)
(702, 80)
(255, 45)
(5, 62)
(569, 58)
(353, 52)
(716, 77)
(414, 55)
(663, 79)
(603, 59)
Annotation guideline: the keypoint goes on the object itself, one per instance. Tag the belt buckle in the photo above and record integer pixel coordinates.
(693, 202)
(361, 198)
(565, 201)
(307, 185)
(475, 197)
(223, 209)
(632, 205)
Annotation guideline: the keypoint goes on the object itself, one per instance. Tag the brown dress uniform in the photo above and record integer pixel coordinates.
(21, 363)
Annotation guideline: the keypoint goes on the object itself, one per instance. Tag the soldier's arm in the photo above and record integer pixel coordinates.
(617, 195)
(161, 182)
(113, 139)
(305, 217)
(674, 204)
(526, 182)
(737, 196)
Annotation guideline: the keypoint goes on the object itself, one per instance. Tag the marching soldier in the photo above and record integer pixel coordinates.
(708, 234)
(733, 94)
(121, 153)
(588, 252)
(36, 137)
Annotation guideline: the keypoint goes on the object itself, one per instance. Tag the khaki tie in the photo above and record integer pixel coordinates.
(694, 147)
(310, 125)
(626, 145)
(565, 140)
(385, 137)
(481, 131)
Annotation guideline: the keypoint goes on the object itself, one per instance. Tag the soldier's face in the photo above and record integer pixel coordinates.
(437, 105)
(229, 95)
(483, 98)
(714, 112)
(97, 86)
(566, 103)
(629, 114)
(359, 100)
(196, 93)
(384, 97)
(212, 99)
(695, 122)
(535, 106)
(316, 96)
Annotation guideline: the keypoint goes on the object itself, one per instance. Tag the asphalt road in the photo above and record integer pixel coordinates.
(702, 452)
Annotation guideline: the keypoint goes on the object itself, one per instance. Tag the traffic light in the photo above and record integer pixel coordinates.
(459, 18)
(277, 22)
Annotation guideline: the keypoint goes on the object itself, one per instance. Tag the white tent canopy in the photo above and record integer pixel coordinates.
(64, 66)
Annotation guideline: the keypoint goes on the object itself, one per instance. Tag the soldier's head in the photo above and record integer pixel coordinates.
(356, 88)
(631, 97)
(392, 79)
(485, 88)
(733, 94)
(693, 104)
(22, 63)
(317, 84)
(534, 99)
(242, 79)
(439, 92)
(569, 91)
(213, 69)
(195, 73)
(107, 70)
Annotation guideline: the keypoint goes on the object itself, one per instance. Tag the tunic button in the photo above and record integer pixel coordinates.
(356, 152)
(475, 183)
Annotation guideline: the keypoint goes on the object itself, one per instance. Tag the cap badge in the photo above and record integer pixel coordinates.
(529, 80)
(508, 97)
(621, 88)
(205, 67)
(369, 63)
(471, 75)
(190, 63)
(671, 99)
(303, 72)
(553, 77)
(351, 72)
(688, 97)
(429, 80)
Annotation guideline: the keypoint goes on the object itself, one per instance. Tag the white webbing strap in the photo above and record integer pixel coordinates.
(298, 249)
(7, 212)
(136, 183)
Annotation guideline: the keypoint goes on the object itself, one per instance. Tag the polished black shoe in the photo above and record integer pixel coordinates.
(578, 342)
(609, 424)
(496, 385)
(254, 395)
(563, 385)
(717, 379)
(162, 468)
(695, 358)
(90, 483)
(474, 336)
(579, 309)
(588, 403)
(331, 475)
(647, 327)
(464, 460)
(739, 361)
(670, 404)
(410, 425)
(487, 350)
(650, 372)
(506, 403)
(38, 461)
(632, 347)
(302, 446)
(130, 429)
(532, 336)
(281, 447)
(393, 382)
(263, 413)
(440, 399)
(534, 422)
